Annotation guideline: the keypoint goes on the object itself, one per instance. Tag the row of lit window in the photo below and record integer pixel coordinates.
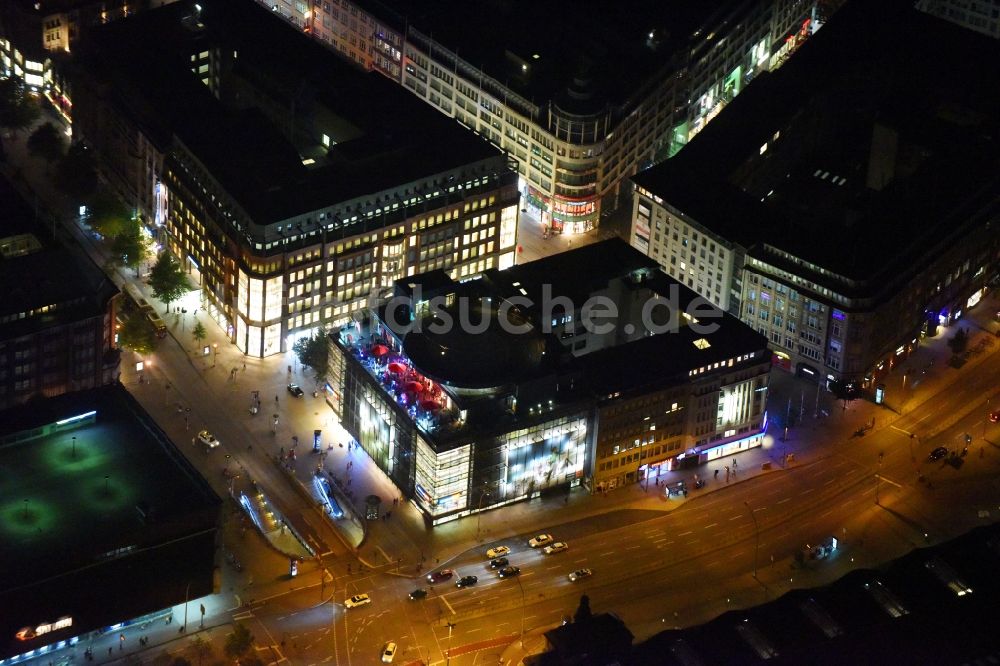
(719, 364)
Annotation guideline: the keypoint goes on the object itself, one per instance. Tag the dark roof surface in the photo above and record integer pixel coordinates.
(51, 276)
(497, 356)
(939, 627)
(847, 78)
(607, 40)
(399, 139)
(72, 514)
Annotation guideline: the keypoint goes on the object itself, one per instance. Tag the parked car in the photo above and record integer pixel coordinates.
(557, 547)
(296, 390)
(358, 600)
(418, 593)
(580, 573)
(497, 551)
(937, 454)
(466, 581)
(207, 439)
(540, 540)
(388, 652)
(507, 572)
(438, 576)
(499, 563)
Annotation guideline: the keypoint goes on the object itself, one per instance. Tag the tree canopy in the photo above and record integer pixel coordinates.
(129, 247)
(199, 333)
(45, 142)
(18, 109)
(107, 215)
(314, 352)
(239, 642)
(167, 279)
(137, 334)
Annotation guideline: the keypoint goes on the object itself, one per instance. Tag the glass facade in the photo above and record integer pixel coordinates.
(442, 479)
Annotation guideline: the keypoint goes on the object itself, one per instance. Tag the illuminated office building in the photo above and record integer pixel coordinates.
(294, 187)
(523, 395)
(846, 205)
(581, 93)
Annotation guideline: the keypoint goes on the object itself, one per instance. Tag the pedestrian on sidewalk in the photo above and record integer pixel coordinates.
(717, 474)
(276, 400)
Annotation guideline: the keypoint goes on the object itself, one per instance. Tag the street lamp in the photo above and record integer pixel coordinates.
(187, 590)
(756, 529)
(74, 447)
(215, 350)
(451, 626)
(479, 513)
(518, 578)
(878, 477)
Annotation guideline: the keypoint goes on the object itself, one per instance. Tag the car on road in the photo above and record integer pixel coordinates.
(388, 652)
(937, 454)
(466, 581)
(579, 574)
(497, 551)
(418, 593)
(207, 439)
(499, 563)
(438, 576)
(358, 600)
(508, 572)
(994, 417)
(540, 540)
(296, 390)
(557, 547)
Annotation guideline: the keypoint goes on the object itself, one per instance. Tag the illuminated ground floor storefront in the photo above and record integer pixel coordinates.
(689, 459)
(418, 443)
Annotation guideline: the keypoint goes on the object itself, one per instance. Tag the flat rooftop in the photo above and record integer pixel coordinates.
(788, 161)
(479, 365)
(65, 285)
(610, 42)
(61, 510)
(383, 137)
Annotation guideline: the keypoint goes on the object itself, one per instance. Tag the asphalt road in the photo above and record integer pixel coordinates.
(697, 561)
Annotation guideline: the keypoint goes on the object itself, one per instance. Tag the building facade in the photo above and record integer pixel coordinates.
(57, 315)
(852, 232)
(474, 395)
(687, 250)
(577, 123)
(983, 16)
(36, 40)
(288, 222)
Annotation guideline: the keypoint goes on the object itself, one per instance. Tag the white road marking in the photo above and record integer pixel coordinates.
(807, 491)
(736, 517)
(633, 547)
(659, 540)
(710, 526)
(787, 499)
(686, 533)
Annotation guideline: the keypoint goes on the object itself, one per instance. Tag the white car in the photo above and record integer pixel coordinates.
(557, 547)
(540, 540)
(358, 600)
(388, 652)
(580, 573)
(497, 551)
(208, 439)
